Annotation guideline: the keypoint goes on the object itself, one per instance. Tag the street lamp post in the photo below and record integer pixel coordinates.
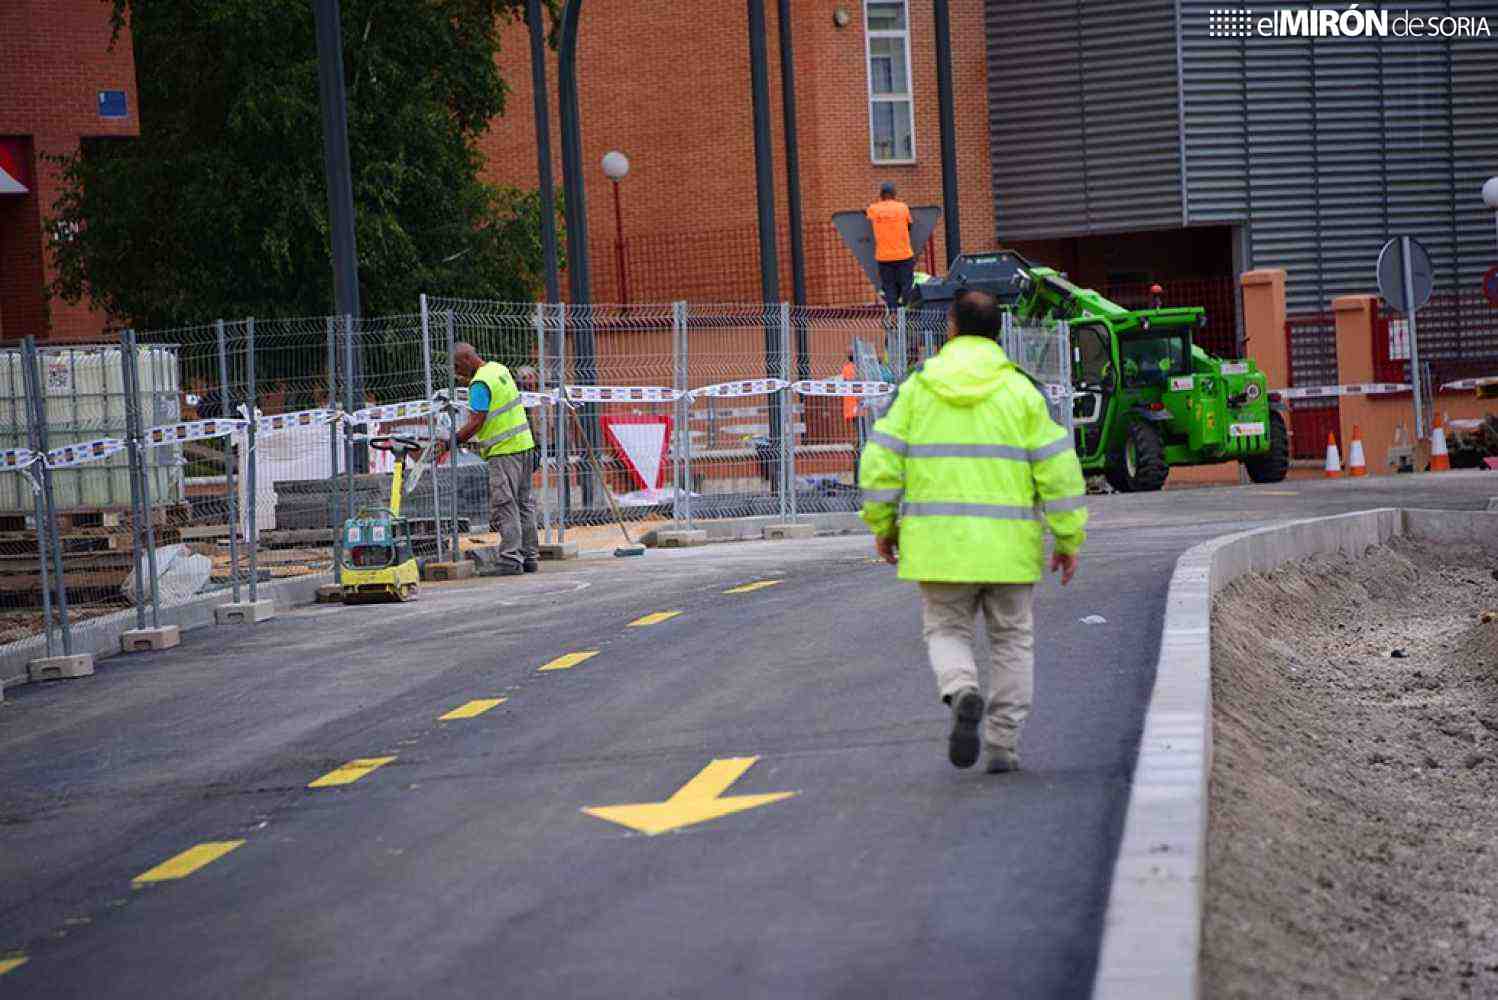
(615, 168)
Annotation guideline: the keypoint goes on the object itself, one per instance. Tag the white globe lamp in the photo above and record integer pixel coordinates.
(615, 165)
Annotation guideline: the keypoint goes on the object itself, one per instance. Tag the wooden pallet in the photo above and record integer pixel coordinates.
(94, 519)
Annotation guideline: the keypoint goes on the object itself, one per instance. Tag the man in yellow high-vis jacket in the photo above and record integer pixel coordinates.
(958, 478)
(497, 427)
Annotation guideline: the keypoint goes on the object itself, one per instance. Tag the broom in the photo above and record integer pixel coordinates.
(630, 548)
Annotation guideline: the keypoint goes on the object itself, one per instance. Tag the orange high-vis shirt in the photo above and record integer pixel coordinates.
(891, 221)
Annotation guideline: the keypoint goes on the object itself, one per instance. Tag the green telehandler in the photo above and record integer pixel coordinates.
(1144, 396)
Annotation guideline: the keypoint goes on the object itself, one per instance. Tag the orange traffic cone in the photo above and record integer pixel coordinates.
(1356, 465)
(1333, 457)
(1440, 461)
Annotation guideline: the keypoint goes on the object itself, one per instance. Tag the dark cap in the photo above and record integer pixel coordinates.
(887, 189)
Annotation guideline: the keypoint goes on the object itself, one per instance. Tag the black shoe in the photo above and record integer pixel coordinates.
(509, 569)
(531, 566)
(967, 712)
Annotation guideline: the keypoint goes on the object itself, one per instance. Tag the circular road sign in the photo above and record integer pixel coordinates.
(1490, 284)
(1391, 276)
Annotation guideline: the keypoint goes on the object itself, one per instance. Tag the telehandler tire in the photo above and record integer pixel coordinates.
(1273, 465)
(1139, 466)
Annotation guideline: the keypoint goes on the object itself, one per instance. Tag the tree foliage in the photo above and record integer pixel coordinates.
(220, 207)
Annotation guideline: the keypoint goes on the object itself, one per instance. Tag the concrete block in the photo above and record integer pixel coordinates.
(330, 593)
(559, 550)
(140, 640)
(245, 612)
(781, 532)
(1493, 503)
(679, 539)
(51, 668)
(448, 570)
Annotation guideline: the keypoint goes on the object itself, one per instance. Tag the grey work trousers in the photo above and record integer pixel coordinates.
(512, 508)
(948, 611)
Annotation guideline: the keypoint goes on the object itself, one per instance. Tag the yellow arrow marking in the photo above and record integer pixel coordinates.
(654, 619)
(7, 964)
(698, 801)
(467, 711)
(570, 660)
(188, 861)
(350, 772)
(749, 587)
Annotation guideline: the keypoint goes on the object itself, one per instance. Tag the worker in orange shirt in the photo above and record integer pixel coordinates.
(851, 411)
(891, 220)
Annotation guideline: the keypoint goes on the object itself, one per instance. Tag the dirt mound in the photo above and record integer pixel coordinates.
(1353, 839)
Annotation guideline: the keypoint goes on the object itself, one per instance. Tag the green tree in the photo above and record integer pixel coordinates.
(220, 207)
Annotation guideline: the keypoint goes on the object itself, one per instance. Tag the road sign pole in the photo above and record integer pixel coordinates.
(1409, 315)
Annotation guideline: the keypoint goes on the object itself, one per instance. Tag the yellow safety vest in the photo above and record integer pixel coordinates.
(967, 465)
(505, 431)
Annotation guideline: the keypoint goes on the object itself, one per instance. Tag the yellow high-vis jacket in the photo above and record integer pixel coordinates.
(966, 465)
(505, 430)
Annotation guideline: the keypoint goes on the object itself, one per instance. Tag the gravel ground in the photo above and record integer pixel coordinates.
(1351, 849)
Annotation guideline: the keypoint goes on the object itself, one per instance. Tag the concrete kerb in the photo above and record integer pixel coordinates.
(101, 636)
(743, 529)
(1152, 928)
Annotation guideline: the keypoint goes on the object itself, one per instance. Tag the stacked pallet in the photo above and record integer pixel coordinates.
(97, 552)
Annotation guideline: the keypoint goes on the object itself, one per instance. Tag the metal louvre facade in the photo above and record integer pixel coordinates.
(1083, 117)
(1124, 116)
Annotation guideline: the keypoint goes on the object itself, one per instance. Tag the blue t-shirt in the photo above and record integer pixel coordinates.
(478, 397)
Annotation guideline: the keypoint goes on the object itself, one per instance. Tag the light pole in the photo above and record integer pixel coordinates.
(616, 168)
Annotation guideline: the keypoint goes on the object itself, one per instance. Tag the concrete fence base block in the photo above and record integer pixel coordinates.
(142, 640)
(245, 612)
(559, 550)
(679, 539)
(1493, 504)
(53, 668)
(781, 532)
(330, 593)
(448, 570)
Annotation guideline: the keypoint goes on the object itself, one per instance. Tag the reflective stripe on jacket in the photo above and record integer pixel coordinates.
(505, 430)
(967, 463)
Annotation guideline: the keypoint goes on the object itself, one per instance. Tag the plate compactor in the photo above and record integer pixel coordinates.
(378, 562)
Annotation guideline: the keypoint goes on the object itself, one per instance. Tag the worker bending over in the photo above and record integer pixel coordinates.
(499, 430)
(956, 478)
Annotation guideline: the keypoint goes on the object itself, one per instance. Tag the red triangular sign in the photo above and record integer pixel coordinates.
(641, 442)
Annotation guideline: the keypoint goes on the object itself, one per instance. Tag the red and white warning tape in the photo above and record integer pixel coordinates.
(622, 394)
(1471, 383)
(80, 454)
(838, 387)
(1331, 391)
(16, 459)
(192, 430)
(747, 387)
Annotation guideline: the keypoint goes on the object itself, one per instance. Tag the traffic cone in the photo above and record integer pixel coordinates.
(1440, 461)
(1333, 457)
(1356, 466)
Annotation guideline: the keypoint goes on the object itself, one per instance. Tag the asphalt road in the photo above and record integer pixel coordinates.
(466, 866)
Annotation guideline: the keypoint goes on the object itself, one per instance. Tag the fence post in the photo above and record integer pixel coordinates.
(452, 451)
(48, 522)
(140, 511)
(254, 456)
(335, 507)
(564, 460)
(684, 310)
(900, 356)
(538, 323)
(787, 455)
(41, 501)
(679, 382)
(230, 459)
(426, 368)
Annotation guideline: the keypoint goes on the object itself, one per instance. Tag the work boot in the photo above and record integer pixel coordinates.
(967, 712)
(531, 566)
(508, 569)
(1002, 761)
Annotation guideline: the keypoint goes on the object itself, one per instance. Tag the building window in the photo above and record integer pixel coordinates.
(891, 110)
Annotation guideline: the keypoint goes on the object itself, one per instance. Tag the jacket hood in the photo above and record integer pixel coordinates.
(966, 371)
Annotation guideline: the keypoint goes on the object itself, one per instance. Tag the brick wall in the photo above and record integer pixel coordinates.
(669, 86)
(56, 56)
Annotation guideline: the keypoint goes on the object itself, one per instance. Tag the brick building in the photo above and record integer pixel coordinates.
(668, 85)
(64, 82)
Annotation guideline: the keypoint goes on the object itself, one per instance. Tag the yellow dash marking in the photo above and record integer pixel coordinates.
(570, 660)
(467, 711)
(698, 801)
(188, 861)
(1279, 493)
(8, 964)
(749, 587)
(653, 619)
(350, 772)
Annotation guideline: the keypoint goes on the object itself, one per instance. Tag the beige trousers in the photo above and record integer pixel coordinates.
(947, 614)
